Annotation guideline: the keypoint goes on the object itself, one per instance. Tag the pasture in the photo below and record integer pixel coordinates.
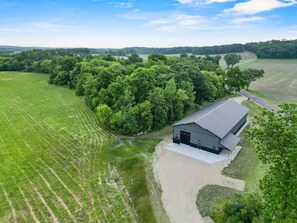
(54, 160)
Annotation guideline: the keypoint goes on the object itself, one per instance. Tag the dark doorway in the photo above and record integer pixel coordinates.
(185, 137)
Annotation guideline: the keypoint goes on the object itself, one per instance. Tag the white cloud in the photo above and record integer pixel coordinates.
(251, 7)
(219, 1)
(123, 5)
(202, 2)
(8, 30)
(38, 27)
(46, 26)
(184, 2)
(246, 19)
(178, 21)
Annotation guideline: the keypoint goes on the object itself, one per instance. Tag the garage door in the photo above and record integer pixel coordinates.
(185, 137)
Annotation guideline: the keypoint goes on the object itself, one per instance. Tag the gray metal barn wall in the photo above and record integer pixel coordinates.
(207, 139)
(239, 124)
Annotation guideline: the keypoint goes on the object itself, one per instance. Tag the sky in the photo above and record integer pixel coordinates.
(151, 23)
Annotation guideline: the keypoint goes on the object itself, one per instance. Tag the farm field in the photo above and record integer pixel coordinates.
(280, 80)
(53, 160)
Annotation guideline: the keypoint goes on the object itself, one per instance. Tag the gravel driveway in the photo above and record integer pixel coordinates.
(181, 177)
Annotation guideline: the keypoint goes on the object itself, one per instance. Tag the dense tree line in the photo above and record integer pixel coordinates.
(7, 50)
(274, 49)
(32, 60)
(205, 50)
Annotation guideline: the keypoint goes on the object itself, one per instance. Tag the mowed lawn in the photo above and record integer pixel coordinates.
(280, 80)
(51, 169)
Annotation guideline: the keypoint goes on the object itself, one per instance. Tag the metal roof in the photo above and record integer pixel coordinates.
(218, 118)
(230, 141)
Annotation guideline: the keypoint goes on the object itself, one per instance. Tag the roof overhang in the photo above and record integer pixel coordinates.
(218, 118)
(230, 141)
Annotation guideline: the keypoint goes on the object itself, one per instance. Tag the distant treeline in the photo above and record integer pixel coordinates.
(31, 60)
(51, 52)
(274, 49)
(206, 50)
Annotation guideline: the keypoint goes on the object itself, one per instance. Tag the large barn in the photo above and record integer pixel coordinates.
(212, 128)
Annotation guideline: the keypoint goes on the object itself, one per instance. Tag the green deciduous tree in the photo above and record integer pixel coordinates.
(170, 96)
(157, 57)
(179, 105)
(231, 59)
(143, 116)
(252, 75)
(275, 138)
(141, 82)
(235, 79)
(134, 58)
(104, 114)
(159, 107)
(91, 86)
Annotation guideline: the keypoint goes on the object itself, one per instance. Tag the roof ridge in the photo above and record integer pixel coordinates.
(211, 111)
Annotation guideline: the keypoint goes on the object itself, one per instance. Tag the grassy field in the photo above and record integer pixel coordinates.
(58, 165)
(280, 80)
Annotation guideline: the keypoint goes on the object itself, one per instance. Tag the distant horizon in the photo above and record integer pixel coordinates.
(55, 47)
(126, 23)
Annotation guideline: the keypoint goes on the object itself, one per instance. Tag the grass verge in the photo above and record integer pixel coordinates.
(209, 195)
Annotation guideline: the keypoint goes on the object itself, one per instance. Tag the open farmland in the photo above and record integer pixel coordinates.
(50, 157)
(280, 80)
